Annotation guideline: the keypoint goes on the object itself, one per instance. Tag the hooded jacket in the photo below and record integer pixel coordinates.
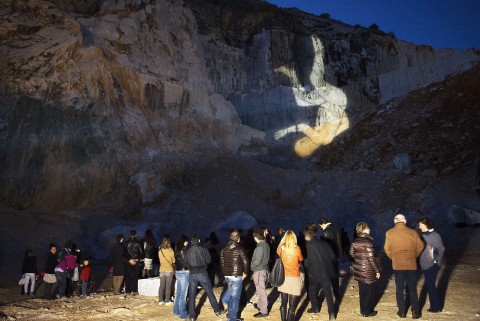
(233, 259)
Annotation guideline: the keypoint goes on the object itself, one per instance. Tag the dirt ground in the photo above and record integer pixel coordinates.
(458, 282)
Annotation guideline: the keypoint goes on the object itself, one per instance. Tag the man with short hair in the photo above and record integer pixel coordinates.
(259, 266)
(197, 259)
(320, 268)
(135, 255)
(332, 237)
(234, 261)
(403, 245)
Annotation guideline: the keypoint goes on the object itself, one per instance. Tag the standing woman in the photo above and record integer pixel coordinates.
(166, 257)
(364, 268)
(182, 274)
(49, 277)
(29, 271)
(431, 260)
(291, 289)
(149, 249)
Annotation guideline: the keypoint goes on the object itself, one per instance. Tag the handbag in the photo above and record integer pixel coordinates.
(277, 275)
(22, 280)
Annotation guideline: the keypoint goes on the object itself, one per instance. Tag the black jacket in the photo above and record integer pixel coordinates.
(180, 264)
(149, 248)
(29, 264)
(52, 262)
(197, 259)
(134, 249)
(233, 259)
(320, 261)
(332, 236)
(119, 259)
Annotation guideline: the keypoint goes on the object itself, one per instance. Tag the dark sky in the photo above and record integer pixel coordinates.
(439, 23)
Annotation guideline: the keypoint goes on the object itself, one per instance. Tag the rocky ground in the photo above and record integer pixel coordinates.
(458, 280)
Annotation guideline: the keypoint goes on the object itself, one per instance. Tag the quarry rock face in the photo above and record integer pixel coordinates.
(86, 100)
(100, 98)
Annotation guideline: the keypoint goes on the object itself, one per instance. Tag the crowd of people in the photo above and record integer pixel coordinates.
(309, 262)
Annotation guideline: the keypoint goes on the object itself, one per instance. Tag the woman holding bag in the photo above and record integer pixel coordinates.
(291, 289)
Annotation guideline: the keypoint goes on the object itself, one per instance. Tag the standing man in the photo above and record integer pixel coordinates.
(403, 245)
(119, 260)
(321, 267)
(332, 237)
(259, 266)
(197, 259)
(234, 261)
(135, 255)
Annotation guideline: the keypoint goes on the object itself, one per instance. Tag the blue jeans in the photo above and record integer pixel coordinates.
(406, 278)
(180, 303)
(62, 282)
(430, 278)
(231, 297)
(84, 287)
(200, 279)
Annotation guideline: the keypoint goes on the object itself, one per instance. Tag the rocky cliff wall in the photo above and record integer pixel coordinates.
(88, 100)
(285, 68)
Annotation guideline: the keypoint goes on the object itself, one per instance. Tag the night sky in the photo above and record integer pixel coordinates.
(439, 23)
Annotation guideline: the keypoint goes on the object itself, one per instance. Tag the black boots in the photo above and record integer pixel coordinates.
(291, 315)
(283, 313)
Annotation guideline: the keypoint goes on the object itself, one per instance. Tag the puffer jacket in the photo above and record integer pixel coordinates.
(364, 265)
(234, 259)
(134, 249)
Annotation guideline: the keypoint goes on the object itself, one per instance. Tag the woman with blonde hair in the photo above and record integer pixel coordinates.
(291, 289)
(364, 268)
(166, 257)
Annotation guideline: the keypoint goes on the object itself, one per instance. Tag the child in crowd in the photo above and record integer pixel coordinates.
(85, 277)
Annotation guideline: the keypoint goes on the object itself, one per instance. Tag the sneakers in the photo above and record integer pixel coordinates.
(219, 312)
(168, 303)
(260, 315)
(161, 302)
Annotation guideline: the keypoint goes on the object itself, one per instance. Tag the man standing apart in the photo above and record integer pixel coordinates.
(320, 268)
(259, 266)
(197, 259)
(234, 261)
(403, 245)
(332, 237)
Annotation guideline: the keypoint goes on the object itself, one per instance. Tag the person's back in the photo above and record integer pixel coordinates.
(197, 259)
(234, 259)
(403, 245)
(320, 260)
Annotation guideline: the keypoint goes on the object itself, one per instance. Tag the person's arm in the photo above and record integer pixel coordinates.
(256, 257)
(279, 248)
(244, 258)
(371, 259)
(440, 250)
(419, 245)
(299, 253)
(387, 246)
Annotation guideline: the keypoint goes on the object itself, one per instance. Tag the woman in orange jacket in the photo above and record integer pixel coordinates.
(290, 290)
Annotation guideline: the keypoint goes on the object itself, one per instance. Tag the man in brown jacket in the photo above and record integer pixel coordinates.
(403, 245)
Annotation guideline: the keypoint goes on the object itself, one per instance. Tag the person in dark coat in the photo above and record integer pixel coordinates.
(196, 260)
(364, 268)
(332, 236)
(320, 268)
(135, 256)
(49, 277)
(119, 261)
